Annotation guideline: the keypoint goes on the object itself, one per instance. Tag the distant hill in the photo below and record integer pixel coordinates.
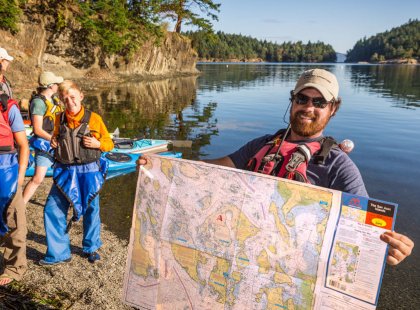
(235, 47)
(397, 43)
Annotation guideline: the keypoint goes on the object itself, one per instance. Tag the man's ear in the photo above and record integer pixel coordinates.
(333, 110)
(336, 106)
(81, 96)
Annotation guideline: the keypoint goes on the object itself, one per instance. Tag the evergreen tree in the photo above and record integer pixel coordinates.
(241, 47)
(182, 11)
(399, 42)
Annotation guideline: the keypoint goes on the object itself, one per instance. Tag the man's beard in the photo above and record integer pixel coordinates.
(304, 129)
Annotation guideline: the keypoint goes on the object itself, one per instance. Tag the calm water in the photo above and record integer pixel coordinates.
(230, 104)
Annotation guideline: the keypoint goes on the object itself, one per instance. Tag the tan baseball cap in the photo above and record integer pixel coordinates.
(47, 78)
(5, 55)
(322, 80)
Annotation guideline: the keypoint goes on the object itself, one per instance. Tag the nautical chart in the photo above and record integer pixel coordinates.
(209, 237)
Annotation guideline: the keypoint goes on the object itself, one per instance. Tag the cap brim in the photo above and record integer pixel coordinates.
(9, 58)
(324, 92)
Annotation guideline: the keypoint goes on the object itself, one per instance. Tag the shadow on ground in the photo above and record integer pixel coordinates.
(13, 298)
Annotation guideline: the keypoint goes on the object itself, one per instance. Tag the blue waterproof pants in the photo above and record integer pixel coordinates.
(55, 222)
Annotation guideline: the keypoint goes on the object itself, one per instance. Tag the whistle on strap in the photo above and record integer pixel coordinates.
(302, 154)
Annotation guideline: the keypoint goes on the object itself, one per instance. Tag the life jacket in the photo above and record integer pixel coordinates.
(7, 143)
(70, 148)
(291, 160)
(53, 108)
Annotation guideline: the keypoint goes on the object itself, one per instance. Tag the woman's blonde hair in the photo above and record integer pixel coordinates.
(66, 85)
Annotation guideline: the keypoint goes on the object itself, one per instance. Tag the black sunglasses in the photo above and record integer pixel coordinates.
(318, 102)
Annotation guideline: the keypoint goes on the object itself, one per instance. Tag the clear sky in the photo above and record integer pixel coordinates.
(339, 23)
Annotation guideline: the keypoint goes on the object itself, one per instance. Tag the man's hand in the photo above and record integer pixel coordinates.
(91, 142)
(400, 247)
(141, 161)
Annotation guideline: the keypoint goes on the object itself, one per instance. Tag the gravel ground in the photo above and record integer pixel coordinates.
(75, 285)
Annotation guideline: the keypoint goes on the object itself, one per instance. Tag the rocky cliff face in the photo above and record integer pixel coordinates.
(39, 46)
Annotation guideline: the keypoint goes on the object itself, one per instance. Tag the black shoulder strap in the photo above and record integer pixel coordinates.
(86, 116)
(326, 144)
(84, 123)
(36, 95)
(4, 102)
(7, 81)
(63, 119)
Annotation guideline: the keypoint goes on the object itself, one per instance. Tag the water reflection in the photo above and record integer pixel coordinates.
(162, 109)
(224, 77)
(394, 81)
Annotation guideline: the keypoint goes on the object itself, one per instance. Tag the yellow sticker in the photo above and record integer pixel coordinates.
(378, 222)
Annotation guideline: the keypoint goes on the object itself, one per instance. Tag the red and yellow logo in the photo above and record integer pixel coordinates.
(379, 220)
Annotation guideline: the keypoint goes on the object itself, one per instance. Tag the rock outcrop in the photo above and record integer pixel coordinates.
(39, 46)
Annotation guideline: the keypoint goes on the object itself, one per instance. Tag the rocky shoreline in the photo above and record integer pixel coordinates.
(74, 285)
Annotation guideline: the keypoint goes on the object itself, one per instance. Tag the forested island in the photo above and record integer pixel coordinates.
(398, 43)
(222, 46)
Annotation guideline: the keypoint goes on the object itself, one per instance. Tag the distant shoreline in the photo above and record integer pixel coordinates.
(402, 61)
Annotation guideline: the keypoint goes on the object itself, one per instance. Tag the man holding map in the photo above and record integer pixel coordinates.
(302, 153)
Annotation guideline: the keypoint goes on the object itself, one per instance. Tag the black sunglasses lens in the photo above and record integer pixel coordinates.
(319, 102)
(301, 99)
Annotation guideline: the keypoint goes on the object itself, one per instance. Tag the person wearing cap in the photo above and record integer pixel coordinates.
(302, 153)
(5, 59)
(43, 107)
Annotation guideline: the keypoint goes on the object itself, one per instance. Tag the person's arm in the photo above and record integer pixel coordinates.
(222, 161)
(343, 174)
(38, 109)
(22, 144)
(19, 135)
(37, 121)
(100, 139)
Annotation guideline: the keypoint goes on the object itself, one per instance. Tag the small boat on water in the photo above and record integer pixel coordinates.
(118, 163)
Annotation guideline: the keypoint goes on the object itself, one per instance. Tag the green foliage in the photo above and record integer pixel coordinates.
(9, 15)
(223, 46)
(118, 26)
(399, 42)
(61, 20)
(182, 11)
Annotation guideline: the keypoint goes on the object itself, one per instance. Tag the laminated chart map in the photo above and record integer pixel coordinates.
(210, 237)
